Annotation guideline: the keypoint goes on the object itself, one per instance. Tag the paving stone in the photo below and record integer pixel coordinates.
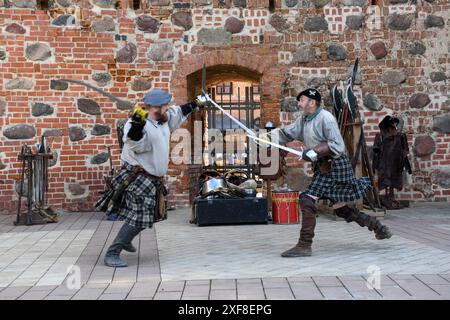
(259, 296)
(13, 292)
(222, 284)
(335, 293)
(34, 295)
(306, 291)
(171, 286)
(223, 294)
(144, 290)
(416, 288)
(171, 295)
(51, 297)
(430, 279)
(275, 283)
(196, 290)
(279, 294)
(327, 281)
(115, 296)
(441, 289)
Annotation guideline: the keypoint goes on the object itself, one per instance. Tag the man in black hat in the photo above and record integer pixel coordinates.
(333, 177)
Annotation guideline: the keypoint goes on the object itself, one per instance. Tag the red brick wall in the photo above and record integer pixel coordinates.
(266, 46)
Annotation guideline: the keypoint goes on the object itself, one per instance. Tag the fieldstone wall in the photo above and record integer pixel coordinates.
(288, 45)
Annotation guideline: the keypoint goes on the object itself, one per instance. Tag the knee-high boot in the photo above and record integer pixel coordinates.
(364, 220)
(122, 241)
(303, 246)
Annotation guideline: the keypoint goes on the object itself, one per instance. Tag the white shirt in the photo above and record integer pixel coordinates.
(152, 151)
(323, 127)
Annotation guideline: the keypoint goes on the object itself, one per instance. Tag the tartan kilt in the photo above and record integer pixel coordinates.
(340, 184)
(138, 203)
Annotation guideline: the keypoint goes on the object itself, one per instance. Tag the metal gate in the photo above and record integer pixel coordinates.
(242, 100)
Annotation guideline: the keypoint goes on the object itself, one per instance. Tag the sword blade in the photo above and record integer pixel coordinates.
(240, 124)
(279, 146)
(204, 80)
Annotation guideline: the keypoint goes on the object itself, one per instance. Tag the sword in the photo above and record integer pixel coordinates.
(204, 81)
(240, 124)
(205, 94)
(279, 146)
(103, 92)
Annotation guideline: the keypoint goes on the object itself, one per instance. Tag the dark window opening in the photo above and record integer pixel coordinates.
(375, 2)
(42, 4)
(271, 5)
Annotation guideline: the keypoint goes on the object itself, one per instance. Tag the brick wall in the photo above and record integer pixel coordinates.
(403, 50)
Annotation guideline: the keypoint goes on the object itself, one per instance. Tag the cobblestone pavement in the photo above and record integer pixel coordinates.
(176, 260)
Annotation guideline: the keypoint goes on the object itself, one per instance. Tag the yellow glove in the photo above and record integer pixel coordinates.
(201, 101)
(139, 114)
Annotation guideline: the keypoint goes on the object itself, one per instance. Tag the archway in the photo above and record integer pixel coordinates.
(244, 70)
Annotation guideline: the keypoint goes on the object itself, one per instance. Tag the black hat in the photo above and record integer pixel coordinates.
(388, 122)
(310, 93)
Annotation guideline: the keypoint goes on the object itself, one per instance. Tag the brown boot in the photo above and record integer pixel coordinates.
(364, 220)
(303, 247)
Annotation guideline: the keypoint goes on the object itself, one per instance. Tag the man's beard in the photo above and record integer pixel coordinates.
(163, 118)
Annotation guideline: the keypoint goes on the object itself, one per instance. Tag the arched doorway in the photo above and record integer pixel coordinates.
(238, 91)
(222, 66)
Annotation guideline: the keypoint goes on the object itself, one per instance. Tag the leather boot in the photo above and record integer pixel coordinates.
(303, 246)
(364, 220)
(122, 241)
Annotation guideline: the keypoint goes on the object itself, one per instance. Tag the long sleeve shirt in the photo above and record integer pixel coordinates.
(152, 151)
(322, 127)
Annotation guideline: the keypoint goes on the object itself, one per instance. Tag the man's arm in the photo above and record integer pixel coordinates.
(136, 138)
(179, 114)
(289, 133)
(334, 139)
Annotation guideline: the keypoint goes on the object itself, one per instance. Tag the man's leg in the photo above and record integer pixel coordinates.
(364, 220)
(122, 241)
(303, 247)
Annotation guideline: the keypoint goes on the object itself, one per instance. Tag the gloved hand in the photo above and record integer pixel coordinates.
(139, 115)
(309, 155)
(200, 101)
(265, 137)
(138, 120)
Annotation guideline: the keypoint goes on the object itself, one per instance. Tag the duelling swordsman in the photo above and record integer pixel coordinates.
(333, 177)
(137, 191)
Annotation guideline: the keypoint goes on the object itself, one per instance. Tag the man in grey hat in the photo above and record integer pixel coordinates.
(333, 177)
(137, 193)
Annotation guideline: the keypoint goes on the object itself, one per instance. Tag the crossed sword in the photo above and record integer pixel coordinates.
(250, 133)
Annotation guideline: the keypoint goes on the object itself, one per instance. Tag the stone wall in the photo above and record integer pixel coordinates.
(288, 45)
